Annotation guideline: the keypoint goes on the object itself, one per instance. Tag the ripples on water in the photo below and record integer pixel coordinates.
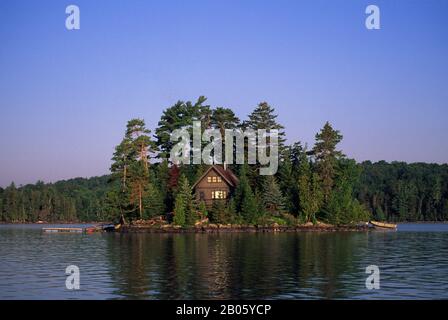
(413, 263)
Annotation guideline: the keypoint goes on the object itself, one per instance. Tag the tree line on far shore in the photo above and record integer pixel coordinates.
(317, 183)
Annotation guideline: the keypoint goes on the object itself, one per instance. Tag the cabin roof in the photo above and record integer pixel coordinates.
(226, 174)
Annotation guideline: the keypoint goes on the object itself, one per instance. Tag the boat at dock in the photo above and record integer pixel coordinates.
(383, 225)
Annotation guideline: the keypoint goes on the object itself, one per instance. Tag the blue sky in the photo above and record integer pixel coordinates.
(65, 96)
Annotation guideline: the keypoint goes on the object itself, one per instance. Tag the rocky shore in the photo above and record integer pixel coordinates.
(220, 228)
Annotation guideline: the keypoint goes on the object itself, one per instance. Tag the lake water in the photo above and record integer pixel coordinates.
(413, 263)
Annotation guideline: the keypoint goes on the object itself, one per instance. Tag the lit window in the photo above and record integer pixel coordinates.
(219, 194)
(209, 179)
(218, 179)
(214, 179)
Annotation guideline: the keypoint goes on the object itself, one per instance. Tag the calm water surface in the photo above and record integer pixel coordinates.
(413, 262)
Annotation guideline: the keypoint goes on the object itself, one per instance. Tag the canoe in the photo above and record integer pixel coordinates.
(384, 225)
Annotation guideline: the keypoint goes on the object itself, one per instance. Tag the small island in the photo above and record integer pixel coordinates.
(314, 188)
(308, 186)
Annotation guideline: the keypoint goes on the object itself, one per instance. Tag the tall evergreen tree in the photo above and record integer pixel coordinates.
(224, 118)
(179, 211)
(154, 202)
(219, 212)
(141, 142)
(185, 209)
(122, 159)
(264, 117)
(309, 190)
(287, 177)
(180, 116)
(131, 164)
(326, 156)
(245, 202)
(162, 178)
(249, 208)
(142, 146)
(297, 154)
(272, 198)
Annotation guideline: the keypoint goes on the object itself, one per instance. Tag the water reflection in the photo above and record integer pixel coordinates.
(413, 264)
(246, 266)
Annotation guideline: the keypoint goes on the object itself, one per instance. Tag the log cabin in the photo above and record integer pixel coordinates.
(217, 183)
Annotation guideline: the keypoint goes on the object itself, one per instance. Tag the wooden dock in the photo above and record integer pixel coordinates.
(66, 230)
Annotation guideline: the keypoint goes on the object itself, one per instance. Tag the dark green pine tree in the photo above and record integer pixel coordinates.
(185, 213)
(249, 209)
(163, 179)
(264, 117)
(326, 157)
(309, 191)
(179, 211)
(245, 202)
(142, 147)
(296, 152)
(118, 198)
(224, 118)
(121, 160)
(287, 177)
(112, 204)
(141, 144)
(180, 115)
(172, 118)
(202, 208)
(272, 196)
(131, 166)
(154, 203)
(231, 211)
(218, 212)
(342, 207)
